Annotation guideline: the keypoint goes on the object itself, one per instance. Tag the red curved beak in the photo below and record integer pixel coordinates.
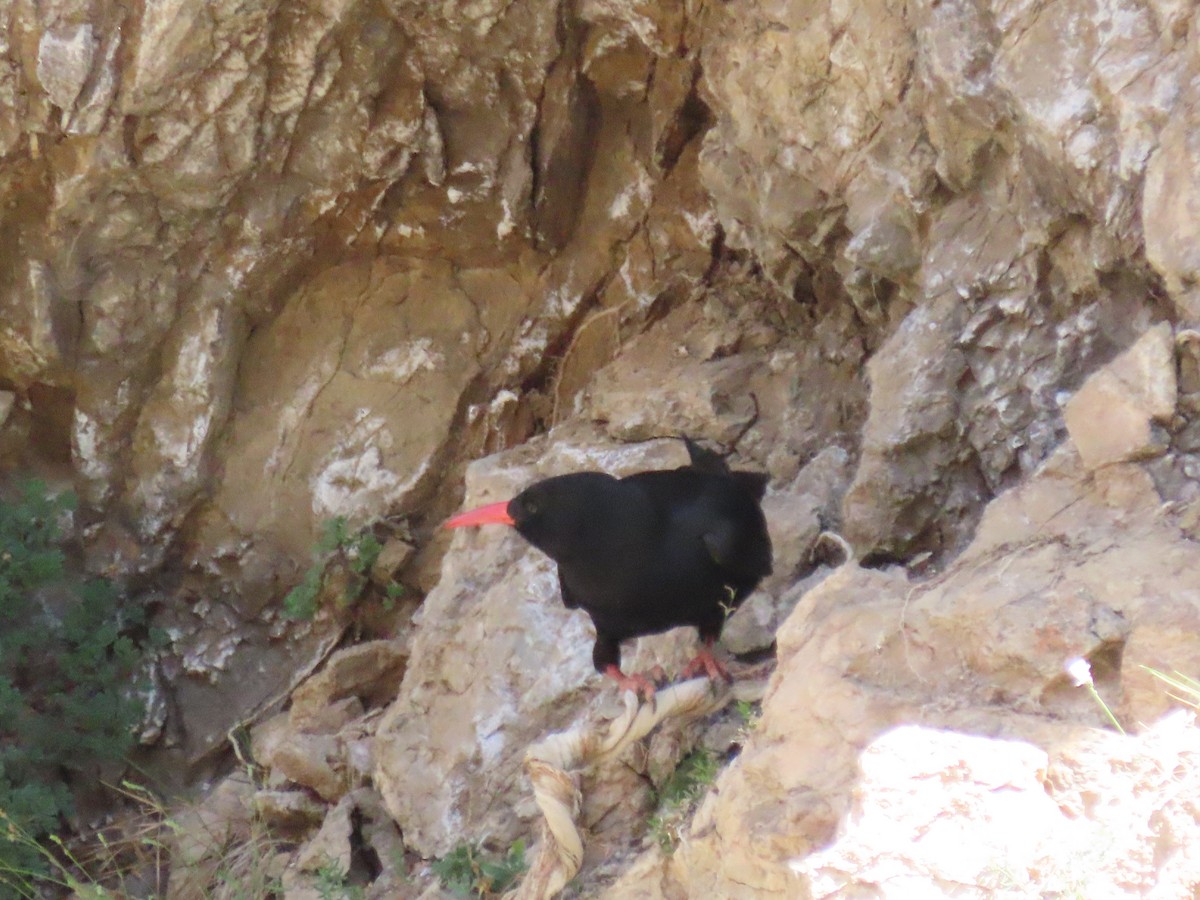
(493, 513)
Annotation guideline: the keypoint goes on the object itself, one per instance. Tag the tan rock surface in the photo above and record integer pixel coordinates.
(925, 736)
(367, 673)
(266, 265)
(937, 814)
(288, 810)
(493, 663)
(1119, 412)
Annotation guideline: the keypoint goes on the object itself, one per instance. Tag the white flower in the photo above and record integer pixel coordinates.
(1080, 671)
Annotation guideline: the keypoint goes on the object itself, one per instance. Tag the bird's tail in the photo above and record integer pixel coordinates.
(704, 460)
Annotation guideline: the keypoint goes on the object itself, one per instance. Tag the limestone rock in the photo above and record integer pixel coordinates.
(328, 718)
(796, 515)
(367, 673)
(971, 662)
(288, 810)
(394, 556)
(322, 742)
(981, 817)
(311, 760)
(912, 437)
(332, 842)
(494, 662)
(216, 657)
(1169, 206)
(200, 842)
(360, 376)
(1021, 314)
(739, 375)
(182, 416)
(223, 817)
(64, 61)
(772, 173)
(1119, 412)
(266, 265)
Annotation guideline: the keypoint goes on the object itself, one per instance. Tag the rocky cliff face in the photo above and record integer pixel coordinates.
(267, 265)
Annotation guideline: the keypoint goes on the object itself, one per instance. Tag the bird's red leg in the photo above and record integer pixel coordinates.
(705, 662)
(639, 684)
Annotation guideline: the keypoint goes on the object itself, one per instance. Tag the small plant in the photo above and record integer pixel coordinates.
(749, 713)
(1188, 688)
(101, 869)
(1080, 672)
(68, 703)
(332, 883)
(244, 869)
(680, 795)
(691, 778)
(357, 552)
(55, 870)
(391, 594)
(468, 871)
(301, 601)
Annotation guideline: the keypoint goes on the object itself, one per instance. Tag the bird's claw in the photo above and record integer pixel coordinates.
(704, 662)
(643, 688)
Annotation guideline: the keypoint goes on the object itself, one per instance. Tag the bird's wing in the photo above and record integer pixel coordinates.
(721, 539)
(668, 490)
(753, 483)
(721, 515)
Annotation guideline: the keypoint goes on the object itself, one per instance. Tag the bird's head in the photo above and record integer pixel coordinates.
(554, 515)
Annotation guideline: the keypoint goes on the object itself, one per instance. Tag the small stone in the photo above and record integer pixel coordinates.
(65, 57)
(332, 843)
(310, 759)
(329, 719)
(220, 819)
(288, 809)
(753, 626)
(1118, 413)
(267, 736)
(368, 672)
(392, 558)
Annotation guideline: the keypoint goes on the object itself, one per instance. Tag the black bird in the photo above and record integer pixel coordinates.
(648, 552)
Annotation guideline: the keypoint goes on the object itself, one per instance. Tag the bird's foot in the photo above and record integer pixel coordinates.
(705, 662)
(641, 686)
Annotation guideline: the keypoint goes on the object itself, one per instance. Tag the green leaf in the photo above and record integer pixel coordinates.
(67, 701)
(365, 552)
(301, 601)
(333, 536)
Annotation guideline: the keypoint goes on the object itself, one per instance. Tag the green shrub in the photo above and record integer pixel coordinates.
(468, 870)
(333, 883)
(680, 795)
(67, 704)
(356, 552)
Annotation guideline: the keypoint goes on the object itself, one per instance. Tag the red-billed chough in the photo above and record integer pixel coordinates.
(647, 552)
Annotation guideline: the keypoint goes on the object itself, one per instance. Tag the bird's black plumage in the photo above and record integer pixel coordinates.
(651, 551)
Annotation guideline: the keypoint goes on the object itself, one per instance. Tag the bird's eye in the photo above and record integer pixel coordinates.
(531, 506)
